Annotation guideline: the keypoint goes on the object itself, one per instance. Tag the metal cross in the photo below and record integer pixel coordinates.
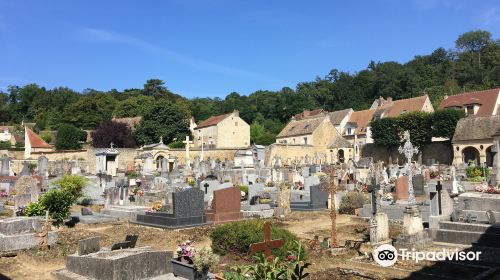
(408, 150)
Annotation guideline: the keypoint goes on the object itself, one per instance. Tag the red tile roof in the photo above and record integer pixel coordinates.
(486, 98)
(362, 119)
(35, 140)
(398, 107)
(212, 121)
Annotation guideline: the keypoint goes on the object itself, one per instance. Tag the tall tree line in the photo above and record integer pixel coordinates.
(473, 64)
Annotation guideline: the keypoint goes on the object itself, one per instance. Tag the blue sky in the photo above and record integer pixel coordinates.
(214, 47)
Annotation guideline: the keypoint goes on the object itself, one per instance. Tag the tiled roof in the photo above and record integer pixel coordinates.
(35, 140)
(337, 116)
(340, 142)
(308, 114)
(300, 127)
(486, 98)
(398, 107)
(362, 119)
(212, 121)
(476, 128)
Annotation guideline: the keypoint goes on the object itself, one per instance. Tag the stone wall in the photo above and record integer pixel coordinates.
(440, 152)
(297, 151)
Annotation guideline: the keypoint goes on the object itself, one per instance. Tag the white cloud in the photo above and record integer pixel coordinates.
(104, 36)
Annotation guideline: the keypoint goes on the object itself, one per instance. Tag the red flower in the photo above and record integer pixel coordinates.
(291, 258)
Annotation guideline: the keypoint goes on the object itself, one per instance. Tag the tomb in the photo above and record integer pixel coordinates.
(20, 233)
(225, 206)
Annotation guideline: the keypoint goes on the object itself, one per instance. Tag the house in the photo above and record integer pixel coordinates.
(340, 118)
(357, 130)
(223, 131)
(477, 103)
(34, 143)
(313, 135)
(473, 140)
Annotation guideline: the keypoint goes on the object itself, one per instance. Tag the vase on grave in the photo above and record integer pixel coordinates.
(188, 271)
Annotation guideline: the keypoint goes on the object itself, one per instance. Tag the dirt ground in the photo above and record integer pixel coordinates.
(35, 264)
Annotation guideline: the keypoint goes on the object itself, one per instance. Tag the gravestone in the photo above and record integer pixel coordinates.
(418, 184)
(27, 191)
(5, 170)
(43, 166)
(402, 188)
(187, 211)
(89, 245)
(26, 169)
(225, 206)
(379, 229)
(20, 233)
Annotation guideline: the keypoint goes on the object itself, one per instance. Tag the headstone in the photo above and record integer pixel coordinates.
(26, 169)
(418, 184)
(402, 188)
(89, 245)
(86, 211)
(27, 191)
(225, 206)
(43, 165)
(5, 170)
(379, 229)
(132, 239)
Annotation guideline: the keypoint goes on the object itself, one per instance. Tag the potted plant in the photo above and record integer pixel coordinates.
(193, 265)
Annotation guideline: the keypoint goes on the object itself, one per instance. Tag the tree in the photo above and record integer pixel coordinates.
(385, 132)
(418, 124)
(90, 110)
(133, 106)
(165, 120)
(445, 121)
(113, 132)
(69, 137)
(473, 41)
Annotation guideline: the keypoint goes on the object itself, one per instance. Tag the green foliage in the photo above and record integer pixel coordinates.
(418, 124)
(68, 137)
(204, 259)
(72, 184)
(351, 201)
(133, 106)
(113, 132)
(243, 188)
(35, 209)
(177, 145)
(58, 202)
(46, 136)
(445, 121)
(266, 269)
(236, 237)
(5, 145)
(474, 171)
(163, 119)
(385, 132)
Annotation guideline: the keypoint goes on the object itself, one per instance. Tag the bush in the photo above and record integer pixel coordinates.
(236, 237)
(69, 137)
(177, 145)
(35, 209)
(351, 201)
(244, 189)
(73, 185)
(5, 145)
(46, 136)
(57, 202)
(474, 171)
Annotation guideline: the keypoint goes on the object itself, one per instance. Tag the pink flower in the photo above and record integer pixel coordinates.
(291, 258)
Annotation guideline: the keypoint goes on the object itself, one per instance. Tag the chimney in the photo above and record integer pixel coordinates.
(236, 113)
(380, 101)
(445, 97)
(306, 113)
(389, 99)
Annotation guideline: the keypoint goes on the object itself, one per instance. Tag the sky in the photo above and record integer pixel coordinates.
(214, 47)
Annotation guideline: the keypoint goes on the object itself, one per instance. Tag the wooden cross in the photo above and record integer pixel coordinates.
(330, 185)
(268, 244)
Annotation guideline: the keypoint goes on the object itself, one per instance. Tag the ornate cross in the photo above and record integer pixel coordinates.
(408, 150)
(268, 244)
(330, 184)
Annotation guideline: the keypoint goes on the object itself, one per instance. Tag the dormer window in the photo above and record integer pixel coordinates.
(469, 110)
(403, 112)
(350, 131)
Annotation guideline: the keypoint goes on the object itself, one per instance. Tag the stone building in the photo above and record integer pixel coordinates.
(33, 143)
(223, 131)
(473, 140)
(477, 103)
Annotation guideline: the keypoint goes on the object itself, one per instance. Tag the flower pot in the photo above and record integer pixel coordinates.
(188, 271)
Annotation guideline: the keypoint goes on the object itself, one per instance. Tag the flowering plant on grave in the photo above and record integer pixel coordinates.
(140, 192)
(155, 208)
(3, 194)
(269, 184)
(185, 252)
(387, 197)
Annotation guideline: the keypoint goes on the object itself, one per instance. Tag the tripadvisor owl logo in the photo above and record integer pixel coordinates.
(385, 255)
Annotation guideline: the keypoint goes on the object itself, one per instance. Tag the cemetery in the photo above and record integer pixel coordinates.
(336, 213)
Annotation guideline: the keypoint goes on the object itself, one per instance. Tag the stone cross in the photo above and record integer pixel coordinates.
(268, 244)
(408, 150)
(206, 185)
(111, 145)
(187, 161)
(373, 188)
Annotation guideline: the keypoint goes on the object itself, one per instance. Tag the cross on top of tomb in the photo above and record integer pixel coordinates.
(408, 150)
(268, 244)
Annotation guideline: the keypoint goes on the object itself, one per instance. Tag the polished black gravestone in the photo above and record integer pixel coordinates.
(188, 211)
(317, 200)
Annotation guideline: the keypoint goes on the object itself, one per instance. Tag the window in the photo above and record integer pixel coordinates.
(235, 123)
(305, 140)
(469, 110)
(349, 131)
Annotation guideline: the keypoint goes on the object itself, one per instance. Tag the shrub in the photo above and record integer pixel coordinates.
(69, 137)
(176, 145)
(72, 184)
(205, 259)
(244, 189)
(474, 171)
(35, 209)
(236, 237)
(351, 201)
(5, 145)
(46, 136)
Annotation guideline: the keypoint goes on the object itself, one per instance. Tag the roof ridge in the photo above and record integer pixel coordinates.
(477, 91)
